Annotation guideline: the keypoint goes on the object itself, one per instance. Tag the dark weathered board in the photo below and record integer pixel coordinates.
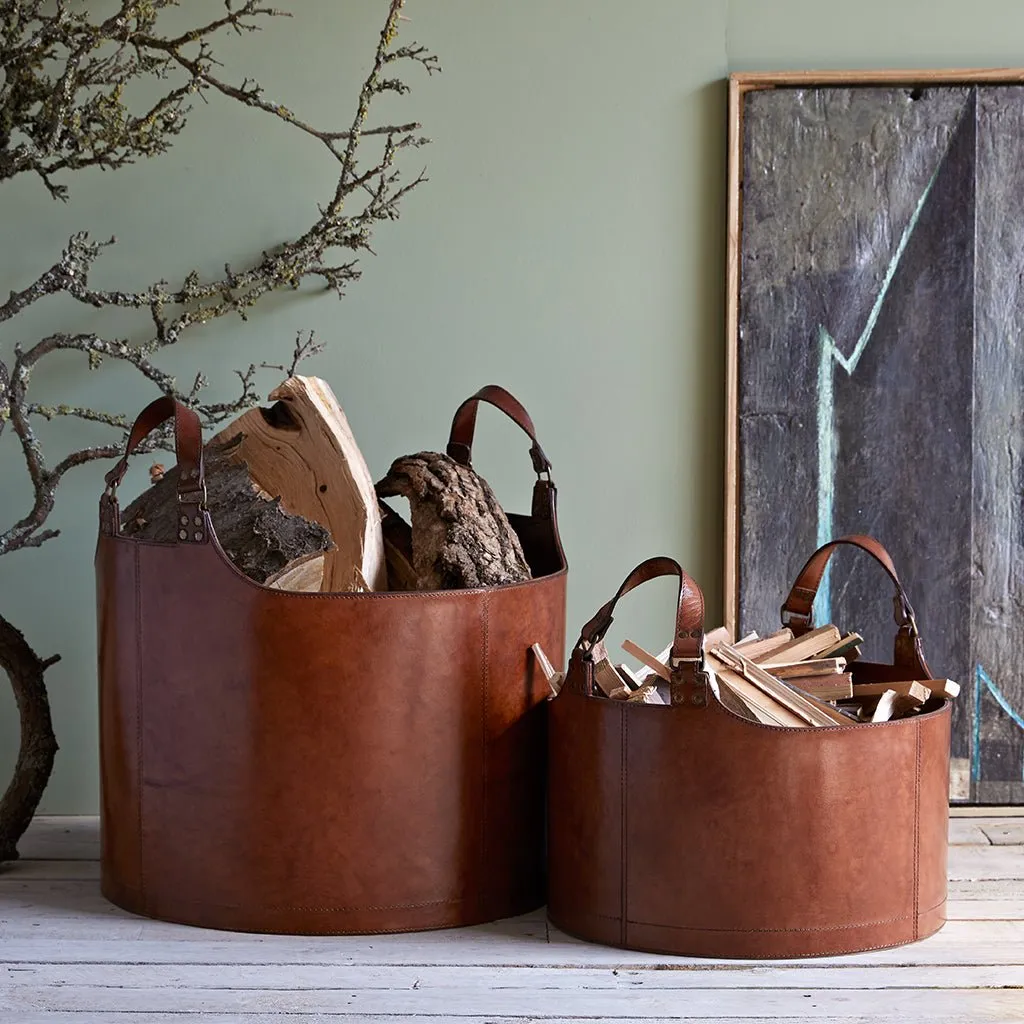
(881, 380)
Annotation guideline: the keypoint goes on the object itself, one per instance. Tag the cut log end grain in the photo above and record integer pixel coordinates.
(302, 450)
(460, 536)
(262, 539)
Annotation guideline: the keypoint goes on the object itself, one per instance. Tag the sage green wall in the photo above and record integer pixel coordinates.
(569, 245)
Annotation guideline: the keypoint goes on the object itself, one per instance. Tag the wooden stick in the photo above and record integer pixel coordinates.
(919, 691)
(812, 711)
(644, 674)
(837, 687)
(761, 705)
(607, 679)
(943, 687)
(629, 677)
(810, 645)
(815, 667)
(720, 635)
(554, 677)
(846, 643)
(893, 705)
(761, 648)
(657, 666)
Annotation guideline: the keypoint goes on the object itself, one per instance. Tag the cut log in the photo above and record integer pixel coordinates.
(302, 450)
(461, 537)
(262, 539)
(305, 575)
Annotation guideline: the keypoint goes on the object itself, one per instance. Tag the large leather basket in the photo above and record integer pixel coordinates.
(690, 830)
(320, 763)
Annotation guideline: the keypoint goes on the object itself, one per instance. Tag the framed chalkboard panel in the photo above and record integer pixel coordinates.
(876, 372)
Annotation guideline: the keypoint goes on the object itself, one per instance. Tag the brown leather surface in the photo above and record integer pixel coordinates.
(908, 651)
(321, 763)
(689, 830)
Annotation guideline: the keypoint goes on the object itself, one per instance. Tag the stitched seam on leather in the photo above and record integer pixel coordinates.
(917, 831)
(139, 753)
(311, 910)
(486, 640)
(582, 912)
(776, 931)
(624, 845)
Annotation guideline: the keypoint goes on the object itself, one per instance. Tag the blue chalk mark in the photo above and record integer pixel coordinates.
(982, 678)
(828, 442)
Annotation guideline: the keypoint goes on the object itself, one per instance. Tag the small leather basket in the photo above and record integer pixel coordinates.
(320, 762)
(687, 829)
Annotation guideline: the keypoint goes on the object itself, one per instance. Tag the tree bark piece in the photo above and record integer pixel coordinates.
(260, 537)
(38, 745)
(302, 450)
(461, 537)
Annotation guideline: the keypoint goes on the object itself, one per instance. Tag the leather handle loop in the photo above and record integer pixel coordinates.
(797, 610)
(188, 445)
(460, 441)
(688, 642)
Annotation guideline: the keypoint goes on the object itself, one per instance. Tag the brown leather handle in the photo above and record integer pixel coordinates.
(188, 446)
(688, 642)
(797, 610)
(460, 441)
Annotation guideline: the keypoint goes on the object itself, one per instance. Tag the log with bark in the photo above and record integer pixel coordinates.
(290, 495)
(256, 532)
(302, 450)
(461, 536)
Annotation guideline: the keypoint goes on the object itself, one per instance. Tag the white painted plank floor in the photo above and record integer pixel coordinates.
(68, 955)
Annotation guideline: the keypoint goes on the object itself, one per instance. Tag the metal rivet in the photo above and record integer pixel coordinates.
(183, 535)
(198, 520)
(184, 520)
(699, 700)
(696, 633)
(198, 535)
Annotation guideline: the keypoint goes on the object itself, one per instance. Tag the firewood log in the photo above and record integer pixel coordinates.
(264, 541)
(461, 537)
(302, 450)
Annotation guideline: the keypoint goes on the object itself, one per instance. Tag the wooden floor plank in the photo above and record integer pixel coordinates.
(508, 943)
(66, 954)
(696, 1003)
(965, 811)
(61, 838)
(979, 862)
(304, 977)
(79, 1017)
(1004, 833)
(49, 870)
(965, 832)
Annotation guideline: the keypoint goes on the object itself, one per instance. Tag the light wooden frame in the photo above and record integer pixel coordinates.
(740, 83)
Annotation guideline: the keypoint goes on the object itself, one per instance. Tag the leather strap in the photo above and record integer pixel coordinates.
(798, 608)
(687, 655)
(188, 446)
(460, 441)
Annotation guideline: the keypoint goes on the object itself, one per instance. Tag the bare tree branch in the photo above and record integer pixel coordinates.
(63, 108)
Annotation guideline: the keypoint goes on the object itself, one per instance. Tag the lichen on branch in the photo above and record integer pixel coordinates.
(65, 106)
